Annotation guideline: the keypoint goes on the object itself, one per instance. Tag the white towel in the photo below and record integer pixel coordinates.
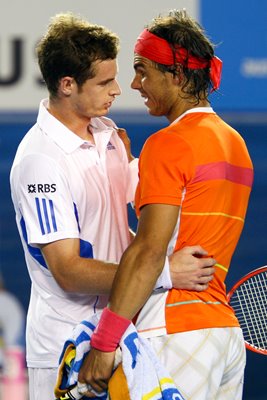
(147, 378)
(74, 351)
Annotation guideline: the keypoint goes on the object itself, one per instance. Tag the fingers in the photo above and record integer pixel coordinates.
(206, 270)
(100, 385)
(208, 264)
(191, 268)
(198, 252)
(204, 275)
(95, 371)
(195, 250)
(90, 390)
(95, 385)
(126, 141)
(200, 288)
(123, 135)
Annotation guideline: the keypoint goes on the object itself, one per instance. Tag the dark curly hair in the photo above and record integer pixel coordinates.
(179, 29)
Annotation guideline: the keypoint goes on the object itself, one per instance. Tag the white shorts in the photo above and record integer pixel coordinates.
(206, 364)
(42, 382)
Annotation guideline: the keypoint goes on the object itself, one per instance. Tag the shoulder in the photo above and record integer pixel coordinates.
(165, 140)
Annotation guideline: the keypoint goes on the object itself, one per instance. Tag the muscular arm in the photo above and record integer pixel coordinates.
(77, 274)
(86, 275)
(143, 261)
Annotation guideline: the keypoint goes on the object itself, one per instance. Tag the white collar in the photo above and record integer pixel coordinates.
(67, 140)
(194, 110)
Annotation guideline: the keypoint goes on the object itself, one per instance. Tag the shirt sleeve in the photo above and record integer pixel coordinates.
(44, 200)
(166, 166)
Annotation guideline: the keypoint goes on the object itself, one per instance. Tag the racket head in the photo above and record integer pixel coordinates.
(248, 299)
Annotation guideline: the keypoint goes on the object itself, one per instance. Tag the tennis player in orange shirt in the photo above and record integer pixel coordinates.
(195, 181)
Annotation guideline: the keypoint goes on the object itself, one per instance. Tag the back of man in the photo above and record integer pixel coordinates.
(201, 164)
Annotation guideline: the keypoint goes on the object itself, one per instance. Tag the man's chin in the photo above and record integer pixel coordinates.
(103, 112)
(154, 113)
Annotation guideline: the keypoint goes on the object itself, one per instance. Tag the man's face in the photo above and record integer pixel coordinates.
(156, 87)
(97, 94)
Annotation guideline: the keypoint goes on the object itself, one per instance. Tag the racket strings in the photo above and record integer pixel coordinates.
(250, 305)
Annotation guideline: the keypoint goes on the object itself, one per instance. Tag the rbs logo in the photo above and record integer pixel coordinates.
(42, 188)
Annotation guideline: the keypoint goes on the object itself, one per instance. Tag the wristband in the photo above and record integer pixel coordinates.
(109, 331)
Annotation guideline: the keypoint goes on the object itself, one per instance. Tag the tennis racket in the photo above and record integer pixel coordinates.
(77, 394)
(248, 298)
(73, 394)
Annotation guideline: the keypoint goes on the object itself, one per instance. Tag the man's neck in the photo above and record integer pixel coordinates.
(184, 106)
(64, 113)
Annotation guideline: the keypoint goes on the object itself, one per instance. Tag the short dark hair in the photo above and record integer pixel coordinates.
(70, 47)
(178, 28)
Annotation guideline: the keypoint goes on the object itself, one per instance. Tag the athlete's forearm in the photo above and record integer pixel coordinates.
(89, 276)
(135, 280)
(76, 274)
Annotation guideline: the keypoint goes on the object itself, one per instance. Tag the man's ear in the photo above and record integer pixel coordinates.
(66, 85)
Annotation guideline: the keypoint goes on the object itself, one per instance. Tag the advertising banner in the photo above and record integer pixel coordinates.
(23, 23)
(237, 28)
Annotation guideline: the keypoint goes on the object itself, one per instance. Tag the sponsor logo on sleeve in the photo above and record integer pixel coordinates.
(42, 188)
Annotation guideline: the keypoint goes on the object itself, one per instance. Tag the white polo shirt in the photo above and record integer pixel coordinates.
(65, 187)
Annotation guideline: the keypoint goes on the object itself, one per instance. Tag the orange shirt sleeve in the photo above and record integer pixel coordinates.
(166, 165)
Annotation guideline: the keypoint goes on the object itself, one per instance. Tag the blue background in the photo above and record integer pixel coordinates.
(238, 28)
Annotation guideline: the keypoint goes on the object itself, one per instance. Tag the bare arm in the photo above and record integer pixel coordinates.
(127, 143)
(86, 275)
(77, 274)
(143, 261)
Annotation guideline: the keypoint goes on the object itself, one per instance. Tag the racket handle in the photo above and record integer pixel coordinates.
(72, 394)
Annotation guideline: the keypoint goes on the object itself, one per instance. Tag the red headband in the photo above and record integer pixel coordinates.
(159, 50)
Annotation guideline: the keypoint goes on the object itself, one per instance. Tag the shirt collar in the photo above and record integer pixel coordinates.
(67, 140)
(194, 110)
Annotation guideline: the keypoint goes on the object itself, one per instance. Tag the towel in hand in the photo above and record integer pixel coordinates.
(74, 351)
(140, 376)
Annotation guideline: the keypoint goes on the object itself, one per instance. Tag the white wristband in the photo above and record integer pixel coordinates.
(164, 280)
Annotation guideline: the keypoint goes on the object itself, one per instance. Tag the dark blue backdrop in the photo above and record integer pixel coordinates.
(238, 28)
(251, 251)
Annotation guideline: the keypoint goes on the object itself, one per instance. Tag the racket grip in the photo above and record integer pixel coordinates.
(72, 394)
